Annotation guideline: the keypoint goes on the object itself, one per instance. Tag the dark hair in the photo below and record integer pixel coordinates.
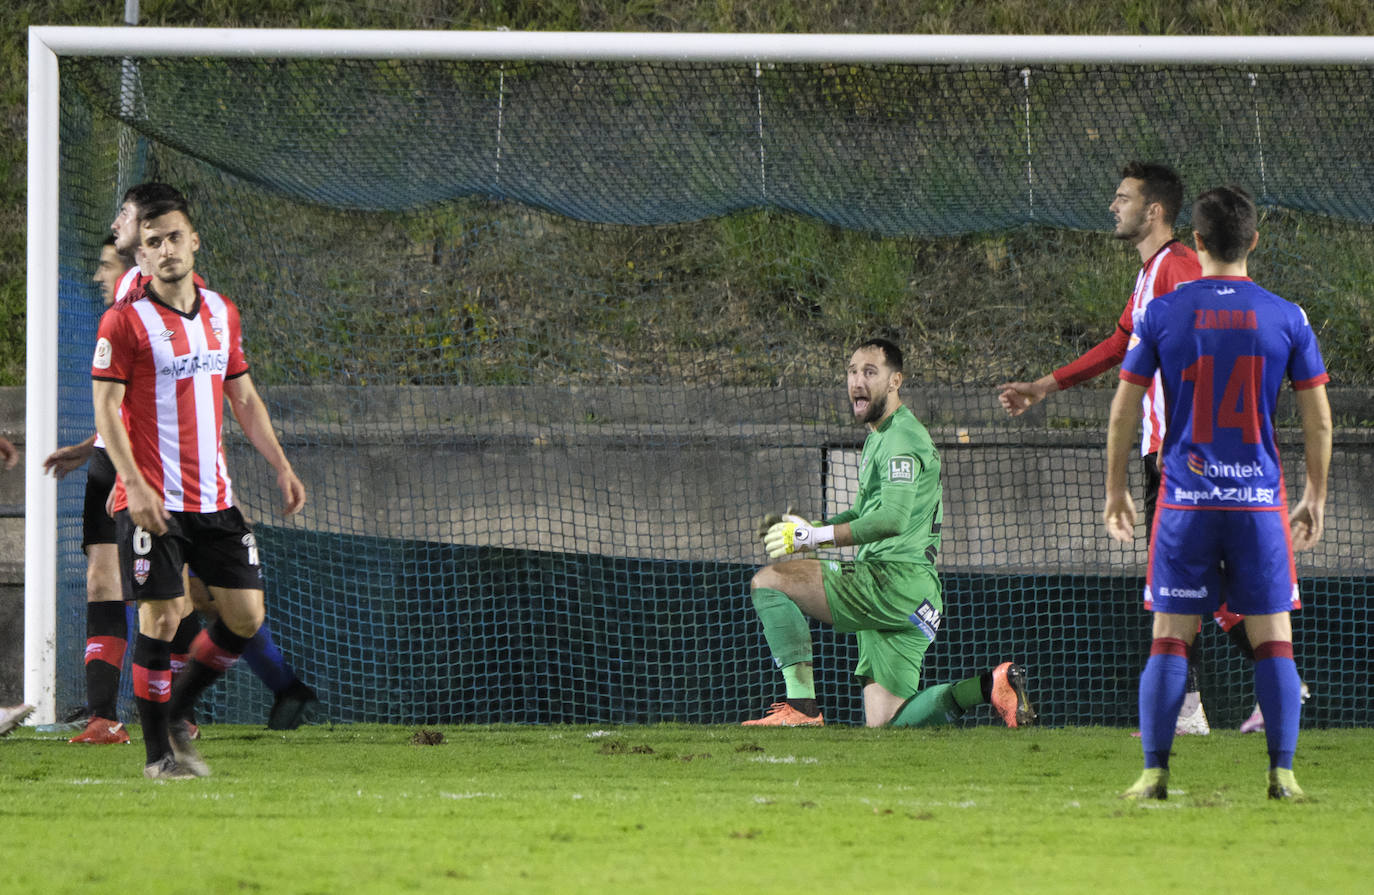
(145, 194)
(1161, 184)
(1225, 218)
(892, 355)
(159, 207)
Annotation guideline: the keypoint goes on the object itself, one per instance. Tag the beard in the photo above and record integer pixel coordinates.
(1129, 230)
(876, 408)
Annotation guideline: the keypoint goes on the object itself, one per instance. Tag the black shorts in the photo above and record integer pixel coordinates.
(219, 547)
(96, 525)
(1150, 462)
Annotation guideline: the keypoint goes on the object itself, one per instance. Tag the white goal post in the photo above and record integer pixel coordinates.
(47, 44)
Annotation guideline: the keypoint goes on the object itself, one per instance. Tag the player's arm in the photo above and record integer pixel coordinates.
(888, 520)
(249, 409)
(1119, 513)
(68, 458)
(1307, 518)
(1017, 397)
(146, 507)
(9, 454)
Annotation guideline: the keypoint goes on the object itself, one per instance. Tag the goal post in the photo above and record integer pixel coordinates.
(469, 454)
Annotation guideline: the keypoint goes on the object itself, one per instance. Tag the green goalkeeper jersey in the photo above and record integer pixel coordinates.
(899, 509)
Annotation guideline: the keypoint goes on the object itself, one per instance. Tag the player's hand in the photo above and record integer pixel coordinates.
(146, 508)
(292, 492)
(1017, 397)
(9, 454)
(1305, 523)
(66, 459)
(767, 522)
(1119, 516)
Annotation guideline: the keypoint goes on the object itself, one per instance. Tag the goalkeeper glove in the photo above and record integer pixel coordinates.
(795, 535)
(789, 515)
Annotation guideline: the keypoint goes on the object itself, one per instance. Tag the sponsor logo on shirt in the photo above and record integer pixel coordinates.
(189, 365)
(1197, 465)
(1184, 593)
(902, 469)
(1244, 494)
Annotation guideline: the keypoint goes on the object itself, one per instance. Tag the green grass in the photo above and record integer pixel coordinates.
(681, 809)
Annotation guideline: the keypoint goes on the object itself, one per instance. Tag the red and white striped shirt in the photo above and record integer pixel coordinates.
(1170, 267)
(173, 367)
(133, 279)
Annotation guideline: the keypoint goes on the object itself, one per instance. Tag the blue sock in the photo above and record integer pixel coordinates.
(267, 662)
(1279, 692)
(1161, 696)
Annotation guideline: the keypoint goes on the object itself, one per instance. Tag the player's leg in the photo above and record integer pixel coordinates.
(1192, 718)
(783, 595)
(1264, 590)
(1003, 687)
(107, 616)
(107, 640)
(150, 566)
(293, 703)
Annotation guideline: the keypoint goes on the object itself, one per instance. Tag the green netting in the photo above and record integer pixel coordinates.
(544, 340)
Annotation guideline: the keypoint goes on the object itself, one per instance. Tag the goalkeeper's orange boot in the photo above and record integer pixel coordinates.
(1009, 695)
(781, 714)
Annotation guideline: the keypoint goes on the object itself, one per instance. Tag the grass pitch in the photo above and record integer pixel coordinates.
(372, 808)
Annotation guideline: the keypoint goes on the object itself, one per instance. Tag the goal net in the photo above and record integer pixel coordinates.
(545, 337)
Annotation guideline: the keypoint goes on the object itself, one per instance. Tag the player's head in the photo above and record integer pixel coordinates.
(1225, 224)
(108, 270)
(136, 199)
(873, 378)
(1147, 201)
(168, 239)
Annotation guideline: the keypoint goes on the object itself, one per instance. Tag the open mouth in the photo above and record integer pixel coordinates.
(861, 405)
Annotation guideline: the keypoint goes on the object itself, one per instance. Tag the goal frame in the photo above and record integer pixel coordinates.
(48, 43)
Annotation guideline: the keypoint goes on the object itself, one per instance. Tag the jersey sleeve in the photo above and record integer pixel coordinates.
(238, 363)
(1142, 358)
(115, 347)
(1098, 359)
(1305, 365)
(899, 473)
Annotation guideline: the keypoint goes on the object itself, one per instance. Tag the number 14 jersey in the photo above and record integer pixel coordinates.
(1222, 346)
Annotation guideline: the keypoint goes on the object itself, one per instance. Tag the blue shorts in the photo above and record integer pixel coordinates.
(1195, 555)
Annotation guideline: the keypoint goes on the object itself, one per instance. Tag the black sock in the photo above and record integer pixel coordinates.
(213, 653)
(1194, 652)
(107, 631)
(807, 707)
(152, 681)
(985, 684)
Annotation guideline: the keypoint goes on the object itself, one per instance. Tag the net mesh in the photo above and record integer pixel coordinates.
(545, 340)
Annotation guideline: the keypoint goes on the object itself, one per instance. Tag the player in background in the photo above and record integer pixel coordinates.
(889, 595)
(9, 454)
(1221, 347)
(167, 357)
(1146, 207)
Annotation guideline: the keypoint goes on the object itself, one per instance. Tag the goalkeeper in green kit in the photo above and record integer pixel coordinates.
(889, 596)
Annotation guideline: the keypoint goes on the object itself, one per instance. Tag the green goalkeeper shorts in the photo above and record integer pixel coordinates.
(894, 608)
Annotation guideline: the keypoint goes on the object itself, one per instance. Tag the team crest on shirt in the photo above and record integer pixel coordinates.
(103, 351)
(217, 327)
(141, 569)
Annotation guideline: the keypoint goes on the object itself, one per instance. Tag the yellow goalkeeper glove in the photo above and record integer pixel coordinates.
(794, 534)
